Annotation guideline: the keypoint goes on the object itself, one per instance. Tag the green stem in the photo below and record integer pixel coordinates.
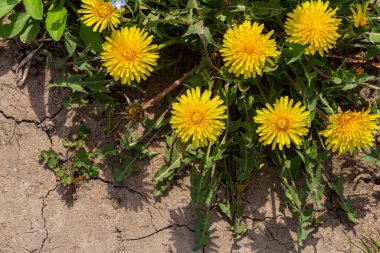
(248, 120)
(261, 92)
(169, 43)
(228, 116)
(75, 10)
(371, 86)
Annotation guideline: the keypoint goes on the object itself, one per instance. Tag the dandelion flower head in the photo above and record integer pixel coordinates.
(246, 49)
(347, 131)
(135, 112)
(282, 123)
(314, 24)
(198, 117)
(360, 15)
(129, 55)
(100, 14)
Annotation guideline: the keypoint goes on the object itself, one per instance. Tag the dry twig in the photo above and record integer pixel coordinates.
(166, 91)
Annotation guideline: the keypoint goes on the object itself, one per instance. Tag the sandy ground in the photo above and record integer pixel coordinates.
(35, 215)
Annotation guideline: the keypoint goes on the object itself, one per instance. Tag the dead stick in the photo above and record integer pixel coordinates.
(321, 73)
(204, 45)
(351, 60)
(169, 89)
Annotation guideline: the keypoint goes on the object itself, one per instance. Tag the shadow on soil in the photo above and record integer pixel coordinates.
(271, 233)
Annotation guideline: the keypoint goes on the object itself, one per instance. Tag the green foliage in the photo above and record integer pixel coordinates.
(34, 8)
(302, 200)
(345, 204)
(6, 6)
(190, 34)
(76, 165)
(174, 166)
(368, 243)
(91, 39)
(17, 23)
(372, 157)
(29, 22)
(204, 182)
(31, 31)
(56, 22)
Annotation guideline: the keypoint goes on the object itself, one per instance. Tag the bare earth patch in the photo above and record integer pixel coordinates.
(35, 215)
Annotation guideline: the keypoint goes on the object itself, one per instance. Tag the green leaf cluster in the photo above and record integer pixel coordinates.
(52, 16)
(190, 35)
(368, 243)
(76, 165)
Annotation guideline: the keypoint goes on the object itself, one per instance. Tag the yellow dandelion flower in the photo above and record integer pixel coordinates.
(351, 130)
(313, 24)
(129, 55)
(245, 49)
(282, 123)
(360, 15)
(198, 117)
(100, 13)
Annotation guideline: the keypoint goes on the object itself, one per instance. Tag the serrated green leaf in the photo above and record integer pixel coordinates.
(69, 42)
(94, 171)
(34, 8)
(67, 180)
(350, 86)
(108, 150)
(196, 28)
(349, 210)
(305, 221)
(52, 163)
(198, 181)
(339, 187)
(212, 191)
(336, 80)
(225, 209)
(75, 87)
(59, 173)
(125, 171)
(165, 171)
(364, 77)
(374, 37)
(296, 51)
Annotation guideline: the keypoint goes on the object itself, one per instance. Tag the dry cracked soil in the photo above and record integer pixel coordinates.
(35, 215)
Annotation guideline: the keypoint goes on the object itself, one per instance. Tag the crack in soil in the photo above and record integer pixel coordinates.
(18, 153)
(151, 219)
(344, 231)
(48, 135)
(149, 235)
(35, 122)
(13, 133)
(287, 245)
(43, 217)
(127, 188)
(156, 232)
(29, 121)
(273, 237)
